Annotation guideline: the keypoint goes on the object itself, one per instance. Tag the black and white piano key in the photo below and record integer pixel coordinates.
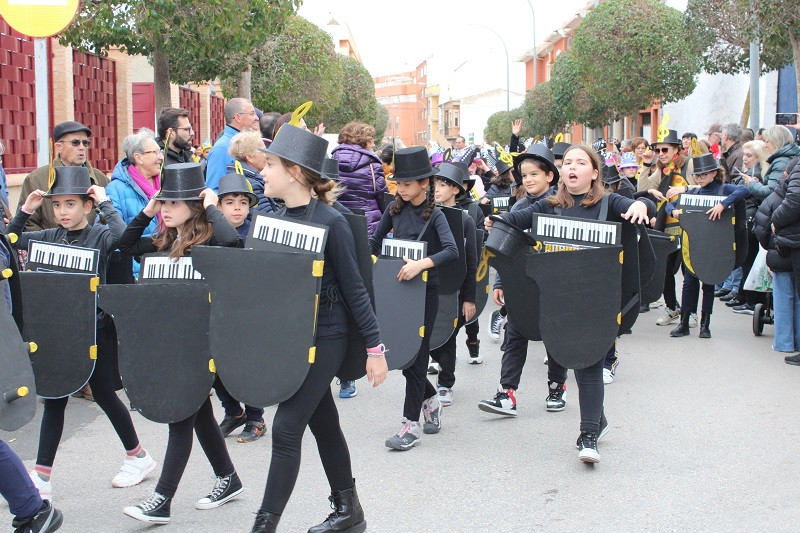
(66, 257)
(414, 250)
(288, 233)
(598, 232)
(700, 200)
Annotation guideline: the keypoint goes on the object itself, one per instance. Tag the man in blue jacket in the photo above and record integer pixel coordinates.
(240, 115)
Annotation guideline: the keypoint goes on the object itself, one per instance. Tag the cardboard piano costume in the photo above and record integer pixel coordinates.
(711, 249)
(17, 383)
(663, 245)
(162, 323)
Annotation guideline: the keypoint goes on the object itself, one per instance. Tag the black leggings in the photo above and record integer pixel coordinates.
(313, 406)
(472, 329)
(102, 383)
(590, 390)
(515, 353)
(673, 264)
(179, 448)
(417, 385)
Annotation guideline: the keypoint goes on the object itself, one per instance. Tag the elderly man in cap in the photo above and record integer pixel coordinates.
(71, 145)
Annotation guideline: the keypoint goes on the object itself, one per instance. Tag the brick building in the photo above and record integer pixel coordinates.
(400, 95)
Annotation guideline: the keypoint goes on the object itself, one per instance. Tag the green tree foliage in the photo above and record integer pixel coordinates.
(721, 31)
(498, 126)
(626, 54)
(358, 97)
(298, 65)
(381, 120)
(571, 96)
(540, 113)
(188, 40)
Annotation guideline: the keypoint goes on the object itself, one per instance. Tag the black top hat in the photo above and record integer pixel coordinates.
(234, 183)
(181, 181)
(501, 166)
(71, 180)
(69, 126)
(452, 174)
(300, 147)
(330, 169)
(610, 174)
(559, 149)
(540, 152)
(412, 164)
(671, 138)
(704, 163)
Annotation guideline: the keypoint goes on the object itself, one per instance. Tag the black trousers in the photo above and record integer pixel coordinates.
(515, 353)
(179, 448)
(590, 390)
(472, 329)
(691, 293)
(103, 383)
(673, 264)
(417, 385)
(313, 406)
(232, 406)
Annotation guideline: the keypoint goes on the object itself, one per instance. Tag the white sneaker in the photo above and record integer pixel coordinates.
(433, 367)
(668, 317)
(693, 320)
(608, 376)
(133, 471)
(476, 360)
(45, 488)
(445, 396)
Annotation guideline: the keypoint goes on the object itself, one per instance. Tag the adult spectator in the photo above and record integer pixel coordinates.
(780, 145)
(731, 149)
(71, 145)
(625, 146)
(173, 123)
(3, 186)
(754, 158)
(250, 158)
(387, 158)
(760, 134)
(240, 115)
(136, 178)
(686, 143)
(361, 172)
(747, 136)
(714, 134)
(460, 143)
(267, 125)
(639, 146)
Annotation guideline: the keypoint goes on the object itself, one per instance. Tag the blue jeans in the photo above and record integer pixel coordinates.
(787, 312)
(16, 485)
(733, 281)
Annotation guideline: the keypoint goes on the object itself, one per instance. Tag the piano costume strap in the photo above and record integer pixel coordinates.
(424, 228)
(558, 210)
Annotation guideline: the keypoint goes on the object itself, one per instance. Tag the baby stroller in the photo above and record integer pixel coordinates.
(760, 279)
(763, 314)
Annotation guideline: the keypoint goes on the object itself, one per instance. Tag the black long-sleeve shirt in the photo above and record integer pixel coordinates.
(441, 245)
(132, 242)
(341, 279)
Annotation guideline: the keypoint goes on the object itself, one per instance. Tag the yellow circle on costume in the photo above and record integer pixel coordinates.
(38, 18)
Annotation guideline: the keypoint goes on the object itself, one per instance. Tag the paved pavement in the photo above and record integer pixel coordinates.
(704, 437)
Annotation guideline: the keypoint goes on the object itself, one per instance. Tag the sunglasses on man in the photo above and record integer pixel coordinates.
(78, 142)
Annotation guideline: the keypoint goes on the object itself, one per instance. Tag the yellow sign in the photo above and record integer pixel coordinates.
(38, 18)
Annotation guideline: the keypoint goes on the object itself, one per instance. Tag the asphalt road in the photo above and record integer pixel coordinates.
(704, 437)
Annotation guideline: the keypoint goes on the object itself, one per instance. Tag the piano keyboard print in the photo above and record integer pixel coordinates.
(700, 200)
(414, 250)
(568, 231)
(294, 234)
(163, 267)
(48, 256)
(500, 204)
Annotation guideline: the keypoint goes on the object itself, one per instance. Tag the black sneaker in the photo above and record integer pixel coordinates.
(722, 292)
(46, 519)
(733, 302)
(744, 309)
(229, 423)
(474, 350)
(504, 403)
(225, 489)
(792, 359)
(587, 444)
(556, 401)
(603, 425)
(252, 431)
(730, 296)
(154, 510)
(644, 308)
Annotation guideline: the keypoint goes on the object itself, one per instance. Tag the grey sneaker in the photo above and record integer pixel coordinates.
(668, 316)
(432, 413)
(693, 320)
(405, 439)
(445, 396)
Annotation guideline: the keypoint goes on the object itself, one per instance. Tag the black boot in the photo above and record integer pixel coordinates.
(347, 515)
(266, 522)
(474, 348)
(683, 327)
(705, 319)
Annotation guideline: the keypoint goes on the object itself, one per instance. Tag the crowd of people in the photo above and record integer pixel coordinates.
(167, 195)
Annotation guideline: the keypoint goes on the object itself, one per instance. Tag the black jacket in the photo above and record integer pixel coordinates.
(763, 230)
(171, 156)
(786, 216)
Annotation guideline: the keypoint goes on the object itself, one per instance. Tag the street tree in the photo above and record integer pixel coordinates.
(498, 126)
(381, 120)
(186, 40)
(722, 31)
(298, 65)
(357, 102)
(541, 115)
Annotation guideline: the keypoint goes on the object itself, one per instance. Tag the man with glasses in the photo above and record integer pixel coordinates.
(240, 115)
(71, 146)
(173, 124)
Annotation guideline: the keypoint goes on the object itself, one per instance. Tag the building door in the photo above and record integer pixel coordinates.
(143, 100)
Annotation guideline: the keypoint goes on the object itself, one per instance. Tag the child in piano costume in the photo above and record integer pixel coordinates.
(501, 183)
(537, 168)
(236, 199)
(293, 173)
(579, 195)
(189, 216)
(449, 183)
(708, 174)
(73, 197)
(413, 216)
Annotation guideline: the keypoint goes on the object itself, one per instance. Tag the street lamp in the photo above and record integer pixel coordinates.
(535, 56)
(508, 68)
